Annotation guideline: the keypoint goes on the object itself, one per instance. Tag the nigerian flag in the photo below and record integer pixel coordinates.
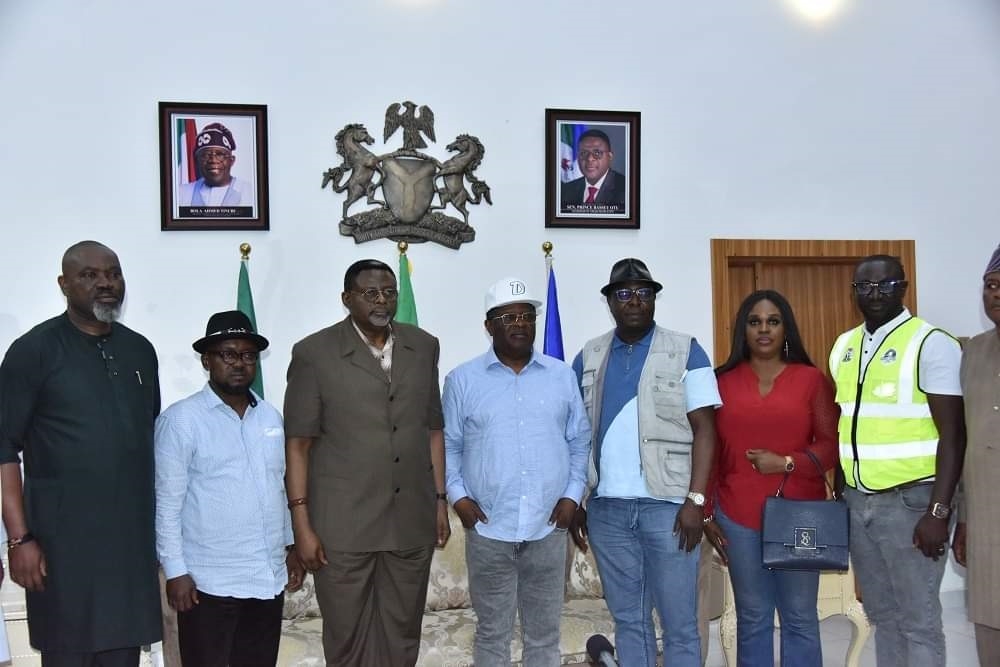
(406, 307)
(186, 134)
(569, 134)
(244, 304)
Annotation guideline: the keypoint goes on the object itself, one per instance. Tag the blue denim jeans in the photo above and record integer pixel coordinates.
(900, 586)
(640, 565)
(758, 591)
(525, 578)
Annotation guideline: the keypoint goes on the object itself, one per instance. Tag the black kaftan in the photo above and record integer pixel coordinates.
(80, 410)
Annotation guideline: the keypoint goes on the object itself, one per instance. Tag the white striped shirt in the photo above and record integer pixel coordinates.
(221, 509)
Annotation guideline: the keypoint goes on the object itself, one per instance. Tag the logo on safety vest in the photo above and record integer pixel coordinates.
(889, 357)
(848, 355)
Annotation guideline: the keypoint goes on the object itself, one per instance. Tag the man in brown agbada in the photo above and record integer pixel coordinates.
(978, 527)
(365, 472)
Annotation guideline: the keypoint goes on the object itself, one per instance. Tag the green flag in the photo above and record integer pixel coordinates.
(244, 304)
(406, 307)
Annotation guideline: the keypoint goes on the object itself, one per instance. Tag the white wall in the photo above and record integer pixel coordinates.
(755, 123)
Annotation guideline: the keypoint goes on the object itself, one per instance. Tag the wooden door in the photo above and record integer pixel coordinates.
(815, 277)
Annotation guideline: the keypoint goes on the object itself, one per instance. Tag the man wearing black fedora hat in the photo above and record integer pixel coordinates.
(222, 524)
(651, 396)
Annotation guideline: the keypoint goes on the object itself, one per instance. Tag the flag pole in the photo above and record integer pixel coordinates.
(406, 306)
(244, 304)
(552, 344)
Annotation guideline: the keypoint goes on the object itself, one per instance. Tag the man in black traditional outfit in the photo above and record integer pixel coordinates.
(78, 396)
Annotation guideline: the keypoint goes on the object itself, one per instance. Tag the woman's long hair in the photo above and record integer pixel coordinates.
(794, 352)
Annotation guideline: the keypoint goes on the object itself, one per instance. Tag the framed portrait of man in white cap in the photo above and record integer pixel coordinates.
(213, 166)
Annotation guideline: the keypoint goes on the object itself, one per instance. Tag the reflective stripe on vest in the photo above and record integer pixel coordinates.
(887, 435)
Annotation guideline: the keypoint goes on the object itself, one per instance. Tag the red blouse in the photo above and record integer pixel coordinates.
(799, 412)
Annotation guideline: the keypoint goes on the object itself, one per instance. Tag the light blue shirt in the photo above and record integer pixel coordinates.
(515, 442)
(221, 511)
(620, 464)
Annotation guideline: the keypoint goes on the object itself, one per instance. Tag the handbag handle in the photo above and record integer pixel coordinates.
(822, 473)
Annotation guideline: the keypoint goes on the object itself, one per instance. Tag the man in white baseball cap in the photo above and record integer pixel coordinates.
(517, 442)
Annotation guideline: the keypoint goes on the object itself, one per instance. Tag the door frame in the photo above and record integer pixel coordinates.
(726, 252)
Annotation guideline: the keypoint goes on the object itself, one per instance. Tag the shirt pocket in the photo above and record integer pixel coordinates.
(273, 442)
(587, 386)
(670, 405)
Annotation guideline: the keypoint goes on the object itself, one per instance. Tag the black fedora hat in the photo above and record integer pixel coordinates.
(226, 326)
(628, 270)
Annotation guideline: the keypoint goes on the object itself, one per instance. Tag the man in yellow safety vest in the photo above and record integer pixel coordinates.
(902, 441)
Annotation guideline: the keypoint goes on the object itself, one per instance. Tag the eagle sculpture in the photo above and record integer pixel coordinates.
(412, 124)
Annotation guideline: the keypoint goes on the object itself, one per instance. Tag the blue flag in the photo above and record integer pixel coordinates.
(553, 343)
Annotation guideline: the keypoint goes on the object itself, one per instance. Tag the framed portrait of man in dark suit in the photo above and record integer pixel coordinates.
(213, 166)
(592, 169)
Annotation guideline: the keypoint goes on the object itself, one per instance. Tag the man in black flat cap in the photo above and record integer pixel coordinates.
(651, 397)
(222, 524)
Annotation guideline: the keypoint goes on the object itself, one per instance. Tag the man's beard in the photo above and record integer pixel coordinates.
(107, 313)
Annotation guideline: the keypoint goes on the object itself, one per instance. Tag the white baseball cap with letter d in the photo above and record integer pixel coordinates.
(509, 290)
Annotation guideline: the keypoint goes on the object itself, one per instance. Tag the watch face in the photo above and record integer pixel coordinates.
(939, 511)
(697, 498)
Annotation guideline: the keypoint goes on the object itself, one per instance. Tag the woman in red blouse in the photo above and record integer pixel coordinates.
(775, 406)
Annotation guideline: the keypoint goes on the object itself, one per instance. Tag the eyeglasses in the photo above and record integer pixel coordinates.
(867, 287)
(625, 294)
(372, 294)
(229, 357)
(597, 154)
(209, 154)
(510, 319)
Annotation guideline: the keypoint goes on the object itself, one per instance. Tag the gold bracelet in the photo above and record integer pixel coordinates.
(297, 502)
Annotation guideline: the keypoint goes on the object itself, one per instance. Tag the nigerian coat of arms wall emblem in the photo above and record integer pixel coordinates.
(412, 191)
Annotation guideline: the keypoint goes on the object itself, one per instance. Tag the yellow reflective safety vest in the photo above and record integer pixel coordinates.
(887, 435)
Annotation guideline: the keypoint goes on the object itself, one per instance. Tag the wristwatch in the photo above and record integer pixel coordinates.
(789, 464)
(697, 498)
(940, 511)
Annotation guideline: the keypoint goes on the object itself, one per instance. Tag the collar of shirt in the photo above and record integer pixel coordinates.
(646, 340)
(599, 184)
(871, 341)
(492, 360)
(214, 195)
(215, 401)
(382, 356)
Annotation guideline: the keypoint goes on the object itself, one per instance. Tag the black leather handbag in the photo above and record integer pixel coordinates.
(805, 534)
